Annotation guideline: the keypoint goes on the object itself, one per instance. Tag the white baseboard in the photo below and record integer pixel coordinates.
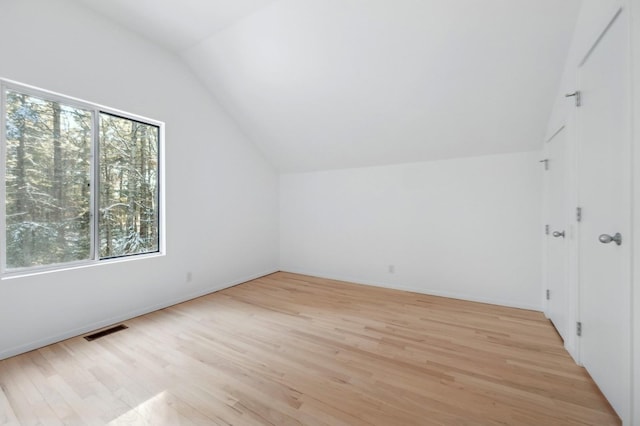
(430, 292)
(7, 353)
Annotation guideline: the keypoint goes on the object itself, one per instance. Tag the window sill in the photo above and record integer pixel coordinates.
(77, 265)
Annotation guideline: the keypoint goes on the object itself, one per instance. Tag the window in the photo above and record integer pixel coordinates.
(81, 182)
(128, 186)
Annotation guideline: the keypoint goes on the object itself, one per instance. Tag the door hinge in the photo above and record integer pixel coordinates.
(578, 95)
(579, 329)
(546, 229)
(579, 214)
(546, 163)
(548, 294)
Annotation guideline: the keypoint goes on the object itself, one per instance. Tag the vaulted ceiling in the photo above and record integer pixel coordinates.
(322, 84)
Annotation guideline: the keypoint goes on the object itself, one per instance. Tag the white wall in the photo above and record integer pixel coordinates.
(466, 228)
(222, 197)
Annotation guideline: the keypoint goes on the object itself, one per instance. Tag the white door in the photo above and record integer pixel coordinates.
(604, 195)
(557, 284)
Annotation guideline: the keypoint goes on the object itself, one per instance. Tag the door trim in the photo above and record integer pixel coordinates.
(635, 149)
(629, 261)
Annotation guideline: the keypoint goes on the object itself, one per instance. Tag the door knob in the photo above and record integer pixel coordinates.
(558, 234)
(606, 239)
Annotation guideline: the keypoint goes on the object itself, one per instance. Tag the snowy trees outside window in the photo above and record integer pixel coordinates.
(80, 183)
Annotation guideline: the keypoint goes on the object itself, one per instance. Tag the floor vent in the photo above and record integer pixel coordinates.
(105, 332)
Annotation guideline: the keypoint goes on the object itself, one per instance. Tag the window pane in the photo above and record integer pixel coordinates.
(47, 182)
(128, 196)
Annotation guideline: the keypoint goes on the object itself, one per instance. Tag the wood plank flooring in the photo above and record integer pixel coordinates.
(288, 349)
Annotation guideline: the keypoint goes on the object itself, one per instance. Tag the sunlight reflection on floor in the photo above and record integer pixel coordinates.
(155, 411)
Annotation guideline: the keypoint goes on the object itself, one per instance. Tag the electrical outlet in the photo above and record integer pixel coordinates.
(392, 269)
(189, 276)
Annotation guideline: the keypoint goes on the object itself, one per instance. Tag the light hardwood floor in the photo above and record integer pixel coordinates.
(290, 349)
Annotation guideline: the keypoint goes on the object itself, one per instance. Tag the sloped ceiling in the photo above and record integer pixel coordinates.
(323, 84)
(176, 24)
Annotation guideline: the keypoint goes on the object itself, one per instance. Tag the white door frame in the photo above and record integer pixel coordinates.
(635, 225)
(584, 41)
(550, 165)
(621, 12)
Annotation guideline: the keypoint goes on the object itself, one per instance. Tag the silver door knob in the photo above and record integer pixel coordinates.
(558, 234)
(606, 239)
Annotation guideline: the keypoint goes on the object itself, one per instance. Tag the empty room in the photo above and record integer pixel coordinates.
(320, 212)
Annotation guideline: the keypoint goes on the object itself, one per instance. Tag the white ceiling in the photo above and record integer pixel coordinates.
(321, 84)
(176, 24)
